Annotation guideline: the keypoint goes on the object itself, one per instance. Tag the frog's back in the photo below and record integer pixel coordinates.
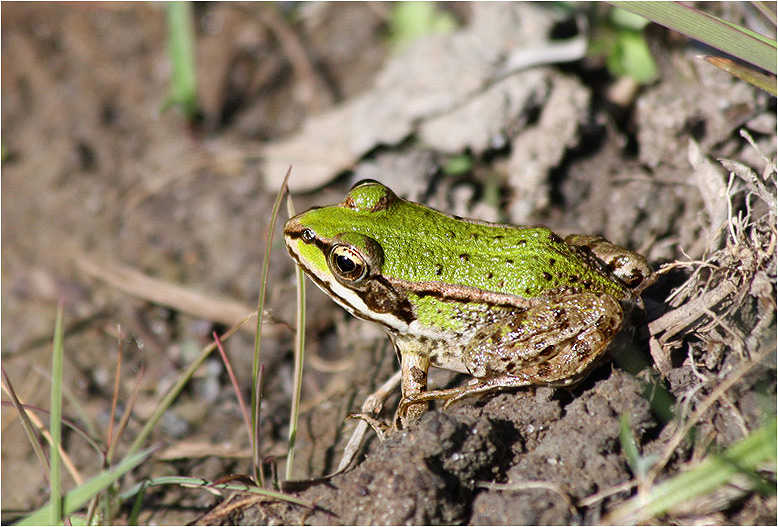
(432, 253)
(529, 262)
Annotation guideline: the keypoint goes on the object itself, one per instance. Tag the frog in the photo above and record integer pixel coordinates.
(510, 306)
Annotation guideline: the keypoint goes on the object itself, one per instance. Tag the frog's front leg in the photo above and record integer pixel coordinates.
(554, 343)
(414, 383)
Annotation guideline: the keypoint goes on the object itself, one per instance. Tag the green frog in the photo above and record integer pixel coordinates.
(511, 306)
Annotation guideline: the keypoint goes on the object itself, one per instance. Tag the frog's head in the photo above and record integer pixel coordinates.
(335, 247)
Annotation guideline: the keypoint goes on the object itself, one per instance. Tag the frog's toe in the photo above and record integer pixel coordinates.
(379, 427)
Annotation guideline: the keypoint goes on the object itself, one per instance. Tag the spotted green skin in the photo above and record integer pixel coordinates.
(447, 288)
(421, 244)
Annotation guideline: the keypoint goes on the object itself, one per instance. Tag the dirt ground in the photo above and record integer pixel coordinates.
(103, 189)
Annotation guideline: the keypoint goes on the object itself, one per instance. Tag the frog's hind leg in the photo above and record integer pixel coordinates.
(546, 344)
(475, 387)
(554, 344)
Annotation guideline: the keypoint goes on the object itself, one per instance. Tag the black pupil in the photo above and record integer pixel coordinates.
(345, 264)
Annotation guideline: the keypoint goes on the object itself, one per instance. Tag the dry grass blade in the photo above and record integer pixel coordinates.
(29, 429)
(685, 316)
(122, 426)
(703, 407)
(372, 406)
(182, 381)
(751, 76)
(171, 295)
(216, 486)
(235, 386)
(257, 370)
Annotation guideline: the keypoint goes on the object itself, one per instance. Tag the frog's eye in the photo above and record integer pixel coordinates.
(347, 263)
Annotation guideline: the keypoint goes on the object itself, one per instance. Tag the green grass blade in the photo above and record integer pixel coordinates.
(299, 350)
(78, 497)
(628, 445)
(729, 38)
(717, 469)
(137, 506)
(181, 51)
(55, 420)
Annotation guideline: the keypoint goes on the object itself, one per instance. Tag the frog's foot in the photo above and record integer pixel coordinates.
(379, 427)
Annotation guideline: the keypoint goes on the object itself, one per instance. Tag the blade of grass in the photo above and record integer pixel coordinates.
(78, 497)
(257, 446)
(116, 383)
(122, 426)
(183, 85)
(209, 485)
(716, 470)
(137, 505)
(42, 430)
(684, 428)
(55, 420)
(628, 445)
(36, 423)
(256, 396)
(768, 10)
(29, 429)
(737, 41)
(235, 386)
(73, 403)
(299, 350)
(747, 74)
